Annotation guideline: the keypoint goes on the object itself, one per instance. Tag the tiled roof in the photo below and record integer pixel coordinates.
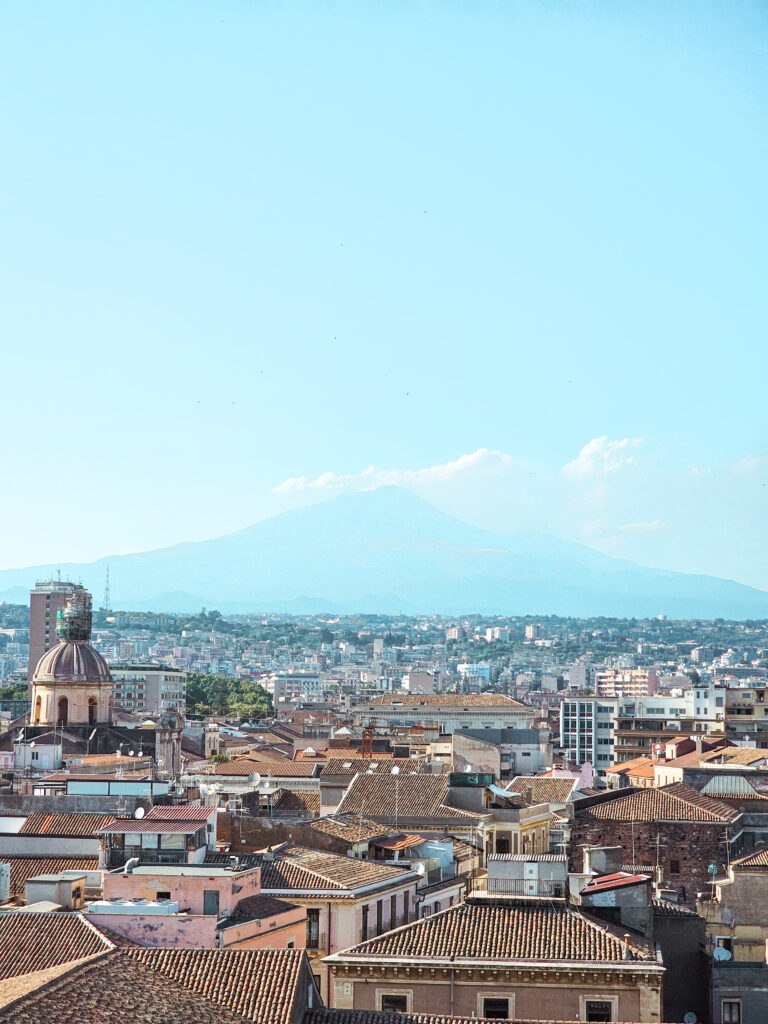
(36, 942)
(758, 858)
(481, 931)
(449, 700)
(297, 868)
(180, 812)
(71, 826)
(543, 791)
(663, 908)
(677, 802)
(256, 908)
(407, 795)
(247, 766)
(114, 988)
(133, 826)
(303, 800)
(352, 827)
(23, 868)
(258, 984)
(622, 767)
(353, 765)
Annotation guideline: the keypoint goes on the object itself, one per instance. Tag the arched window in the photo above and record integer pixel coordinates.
(38, 710)
(92, 711)
(63, 711)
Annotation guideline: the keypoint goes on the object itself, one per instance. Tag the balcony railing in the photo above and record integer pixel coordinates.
(517, 887)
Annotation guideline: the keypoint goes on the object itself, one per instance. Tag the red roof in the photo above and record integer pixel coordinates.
(180, 812)
(398, 842)
(615, 881)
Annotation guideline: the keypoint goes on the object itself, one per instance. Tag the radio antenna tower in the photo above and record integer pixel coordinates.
(107, 605)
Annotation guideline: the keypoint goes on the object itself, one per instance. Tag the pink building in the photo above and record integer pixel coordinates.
(197, 906)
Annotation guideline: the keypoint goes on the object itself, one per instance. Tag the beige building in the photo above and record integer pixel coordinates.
(526, 959)
(150, 688)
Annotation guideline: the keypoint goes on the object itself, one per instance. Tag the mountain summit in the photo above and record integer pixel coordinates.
(389, 551)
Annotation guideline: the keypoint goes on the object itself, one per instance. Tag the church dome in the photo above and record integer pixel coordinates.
(72, 661)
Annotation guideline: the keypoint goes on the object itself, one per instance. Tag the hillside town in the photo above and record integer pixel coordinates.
(338, 819)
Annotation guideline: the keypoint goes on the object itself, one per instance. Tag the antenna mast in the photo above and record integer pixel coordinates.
(107, 597)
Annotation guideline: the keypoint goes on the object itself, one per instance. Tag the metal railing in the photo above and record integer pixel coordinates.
(517, 887)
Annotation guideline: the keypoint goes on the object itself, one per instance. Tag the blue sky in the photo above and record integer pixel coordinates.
(510, 255)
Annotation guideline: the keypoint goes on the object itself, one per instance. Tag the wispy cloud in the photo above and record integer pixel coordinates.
(647, 527)
(600, 456)
(482, 459)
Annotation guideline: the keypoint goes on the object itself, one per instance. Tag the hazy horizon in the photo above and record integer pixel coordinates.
(510, 257)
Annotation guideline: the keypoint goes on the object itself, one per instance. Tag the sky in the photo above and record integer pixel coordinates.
(509, 255)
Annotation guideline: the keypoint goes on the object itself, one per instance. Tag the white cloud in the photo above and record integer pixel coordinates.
(600, 456)
(648, 527)
(484, 458)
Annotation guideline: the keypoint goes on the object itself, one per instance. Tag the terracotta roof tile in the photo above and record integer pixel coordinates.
(114, 988)
(71, 826)
(481, 931)
(247, 766)
(23, 868)
(677, 802)
(35, 942)
(407, 795)
(758, 858)
(352, 827)
(379, 766)
(297, 868)
(543, 791)
(448, 700)
(297, 800)
(258, 984)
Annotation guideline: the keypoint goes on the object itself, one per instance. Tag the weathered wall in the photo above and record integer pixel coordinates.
(693, 845)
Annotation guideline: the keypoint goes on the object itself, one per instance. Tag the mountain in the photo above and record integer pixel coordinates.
(389, 551)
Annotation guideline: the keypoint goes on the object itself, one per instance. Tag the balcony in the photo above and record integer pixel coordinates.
(515, 888)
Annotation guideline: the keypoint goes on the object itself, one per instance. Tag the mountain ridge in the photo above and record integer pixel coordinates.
(390, 546)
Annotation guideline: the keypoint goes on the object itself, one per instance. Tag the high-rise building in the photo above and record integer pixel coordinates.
(149, 688)
(46, 599)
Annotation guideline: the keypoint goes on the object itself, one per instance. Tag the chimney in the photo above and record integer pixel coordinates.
(699, 744)
(587, 860)
(627, 951)
(529, 795)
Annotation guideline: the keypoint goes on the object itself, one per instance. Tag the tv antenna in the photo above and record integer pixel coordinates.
(107, 596)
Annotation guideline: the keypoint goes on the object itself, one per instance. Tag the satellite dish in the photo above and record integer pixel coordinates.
(139, 813)
(690, 1018)
(395, 770)
(721, 953)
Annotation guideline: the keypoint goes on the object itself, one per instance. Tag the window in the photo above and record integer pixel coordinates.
(290, 944)
(724, 942)
(406, 907)
(497, 1007)
(394, 1003)
(731, 1011)
(364, 929)
(379, 917)
(674, 867)
(313, 927)
(393, 912)
(598, 1010)
(163, 896)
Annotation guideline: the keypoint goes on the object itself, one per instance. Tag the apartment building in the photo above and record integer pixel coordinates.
(149, 688)
(626, 682)
(46, 599)
(586, 731)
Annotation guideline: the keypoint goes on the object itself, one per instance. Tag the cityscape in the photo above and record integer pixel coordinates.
(383, 575)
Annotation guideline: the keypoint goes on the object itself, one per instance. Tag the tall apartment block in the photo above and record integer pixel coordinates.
(45, 600)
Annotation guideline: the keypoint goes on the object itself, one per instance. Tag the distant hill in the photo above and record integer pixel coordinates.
(390, 551)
